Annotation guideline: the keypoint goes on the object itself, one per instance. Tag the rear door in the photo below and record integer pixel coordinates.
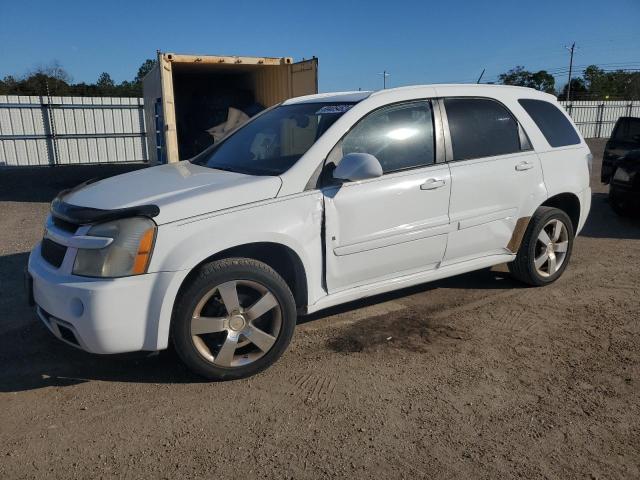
(395, 224)
(304, 77)
(496, 177)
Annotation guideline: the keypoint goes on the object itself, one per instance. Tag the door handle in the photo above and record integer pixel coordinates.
(524, 166)
(432, 184)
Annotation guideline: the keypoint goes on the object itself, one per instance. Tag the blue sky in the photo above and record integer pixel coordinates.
(417, 41)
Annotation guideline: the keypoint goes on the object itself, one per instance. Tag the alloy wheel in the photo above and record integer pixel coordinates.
(551, 247)
(236, 323)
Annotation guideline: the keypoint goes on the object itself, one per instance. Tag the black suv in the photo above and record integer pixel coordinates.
(624, 190)
(625, 138)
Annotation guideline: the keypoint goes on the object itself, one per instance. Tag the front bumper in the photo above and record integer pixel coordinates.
(103, 315)
(625, 193)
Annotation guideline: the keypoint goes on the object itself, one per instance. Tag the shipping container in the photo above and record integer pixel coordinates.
(186, 95)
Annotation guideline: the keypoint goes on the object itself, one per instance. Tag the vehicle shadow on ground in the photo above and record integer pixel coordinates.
(32, 358)
(42, 184)
(487, 279)
(603, 222)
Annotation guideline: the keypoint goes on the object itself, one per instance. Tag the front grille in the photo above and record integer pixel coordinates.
(64, 225)
(52, 252)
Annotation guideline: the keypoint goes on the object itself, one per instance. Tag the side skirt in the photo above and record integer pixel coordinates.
(398, 283)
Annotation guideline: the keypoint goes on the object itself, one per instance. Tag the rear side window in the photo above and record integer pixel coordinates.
(627, 130)
(552, 122)
(480, 127)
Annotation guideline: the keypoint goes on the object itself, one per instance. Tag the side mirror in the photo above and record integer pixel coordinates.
(358, 166)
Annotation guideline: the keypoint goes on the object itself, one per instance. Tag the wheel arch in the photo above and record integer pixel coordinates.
(569, 203)
(282, 258)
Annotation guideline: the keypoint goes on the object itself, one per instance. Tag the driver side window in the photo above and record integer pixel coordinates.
(400, 136)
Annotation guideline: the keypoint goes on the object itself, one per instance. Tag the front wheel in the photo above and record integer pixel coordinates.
(546, 248)
(234, 319)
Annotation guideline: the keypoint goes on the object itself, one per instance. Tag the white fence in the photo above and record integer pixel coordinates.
(596, 119)
(37, 130)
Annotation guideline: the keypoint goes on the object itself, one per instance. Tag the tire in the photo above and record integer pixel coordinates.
(226, 343)
(533, 248)
(618, 206)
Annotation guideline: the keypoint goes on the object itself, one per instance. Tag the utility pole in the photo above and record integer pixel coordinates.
(571, 49)
(384, 78)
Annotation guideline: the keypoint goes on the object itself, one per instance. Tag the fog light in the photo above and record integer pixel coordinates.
(76, 307)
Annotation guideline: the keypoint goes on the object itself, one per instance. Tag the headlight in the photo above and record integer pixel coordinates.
(128, 254)
(622, 175)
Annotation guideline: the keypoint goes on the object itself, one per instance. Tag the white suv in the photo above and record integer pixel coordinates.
(315, 202)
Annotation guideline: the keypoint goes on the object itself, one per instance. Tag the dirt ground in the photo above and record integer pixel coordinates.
(471, 377)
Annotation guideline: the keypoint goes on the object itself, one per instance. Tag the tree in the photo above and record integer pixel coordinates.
(53, 70)
(578, 90)
(540, 80)
(53, 78)
(105, 85)
(8, 85)
(145, 68)
(616, 84)
(41, 84)
(105, 81)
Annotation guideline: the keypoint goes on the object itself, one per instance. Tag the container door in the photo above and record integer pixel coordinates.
(153, 116)
(304, 78)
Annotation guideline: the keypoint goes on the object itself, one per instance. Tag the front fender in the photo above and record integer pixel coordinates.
(293, 221)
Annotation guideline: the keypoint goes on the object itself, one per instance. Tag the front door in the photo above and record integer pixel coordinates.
(395, 224)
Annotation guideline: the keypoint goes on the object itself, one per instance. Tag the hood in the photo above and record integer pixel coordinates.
(180, 190)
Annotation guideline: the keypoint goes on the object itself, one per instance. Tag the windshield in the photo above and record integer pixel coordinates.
(273, 142)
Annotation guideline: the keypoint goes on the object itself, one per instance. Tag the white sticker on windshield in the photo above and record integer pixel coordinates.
(333, 109)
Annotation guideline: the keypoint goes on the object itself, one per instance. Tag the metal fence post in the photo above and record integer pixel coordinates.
(600, 119)
(52, 126)
(52, 153)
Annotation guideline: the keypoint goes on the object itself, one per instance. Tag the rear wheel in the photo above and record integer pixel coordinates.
(546, 248)
(234, 319)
